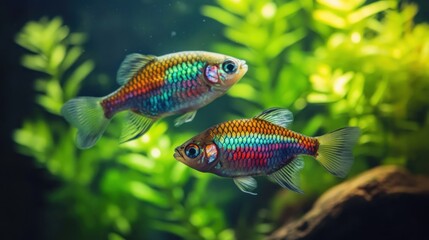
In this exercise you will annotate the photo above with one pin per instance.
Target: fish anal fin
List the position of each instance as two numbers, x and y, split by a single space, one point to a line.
131 65
246 184
288 176
277 116
135 126
187 117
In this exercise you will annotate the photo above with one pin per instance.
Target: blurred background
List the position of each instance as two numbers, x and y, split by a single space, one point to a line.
333 63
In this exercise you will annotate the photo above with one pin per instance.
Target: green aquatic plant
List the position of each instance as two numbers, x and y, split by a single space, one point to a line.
111 191
373 73
334 63
262 32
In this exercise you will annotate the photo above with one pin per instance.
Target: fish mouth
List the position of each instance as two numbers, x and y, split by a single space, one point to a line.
178 156
243 65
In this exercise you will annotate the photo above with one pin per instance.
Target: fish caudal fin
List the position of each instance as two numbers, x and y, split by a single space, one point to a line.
135 126
87 115
335 150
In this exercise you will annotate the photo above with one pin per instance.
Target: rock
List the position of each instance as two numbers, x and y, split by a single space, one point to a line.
383 203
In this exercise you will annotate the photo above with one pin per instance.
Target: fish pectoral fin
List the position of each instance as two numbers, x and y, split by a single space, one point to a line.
135 126
278 116
246 184
131 65
187 117
288 176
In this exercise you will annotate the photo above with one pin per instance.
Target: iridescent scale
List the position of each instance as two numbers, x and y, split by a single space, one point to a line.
258 147
162 86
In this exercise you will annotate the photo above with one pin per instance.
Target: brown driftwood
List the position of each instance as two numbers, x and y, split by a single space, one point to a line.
383 203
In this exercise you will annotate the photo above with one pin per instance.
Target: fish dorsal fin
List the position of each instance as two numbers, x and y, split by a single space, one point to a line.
131 65
277 116
288 176
246 184
135 126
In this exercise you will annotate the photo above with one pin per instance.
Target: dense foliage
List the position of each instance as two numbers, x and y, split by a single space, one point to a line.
333 63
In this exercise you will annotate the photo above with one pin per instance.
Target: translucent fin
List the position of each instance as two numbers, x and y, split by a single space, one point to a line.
87 115
246 184
135 126
335 150
277 116
288 176
131 65
187 117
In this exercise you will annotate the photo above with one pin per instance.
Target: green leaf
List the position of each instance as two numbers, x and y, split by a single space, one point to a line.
57 56
51 105
277 45
175 228
138 162
148 194
342 5
370 10
72 55
243 90
287 9
35 62
222 16
237 7
73 83
77 38
330 18
180 174
257 41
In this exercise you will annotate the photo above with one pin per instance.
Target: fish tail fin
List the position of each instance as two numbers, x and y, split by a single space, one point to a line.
87 115
335 150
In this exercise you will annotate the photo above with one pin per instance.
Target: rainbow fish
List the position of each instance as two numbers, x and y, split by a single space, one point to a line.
152 88
263 146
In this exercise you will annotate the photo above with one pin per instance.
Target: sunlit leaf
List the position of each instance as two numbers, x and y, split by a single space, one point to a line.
57 56
320 98
287 9
240 7
329 18
342 5
355 91
243 90
370 10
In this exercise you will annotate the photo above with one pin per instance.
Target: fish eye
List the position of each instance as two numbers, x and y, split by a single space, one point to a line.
229 66
192 150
